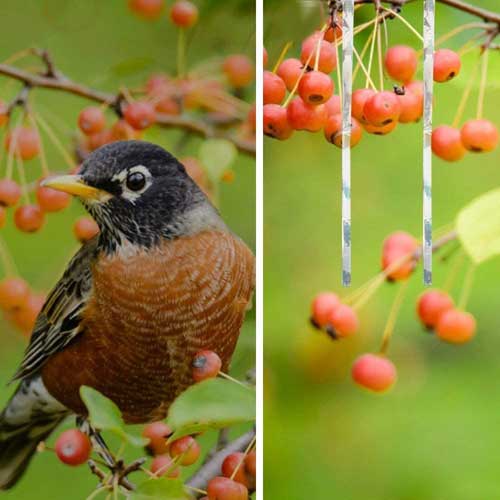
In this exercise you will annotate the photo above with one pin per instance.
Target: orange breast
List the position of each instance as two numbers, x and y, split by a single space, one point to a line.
150 313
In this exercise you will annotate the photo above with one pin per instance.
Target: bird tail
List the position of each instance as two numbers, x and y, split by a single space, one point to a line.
29 418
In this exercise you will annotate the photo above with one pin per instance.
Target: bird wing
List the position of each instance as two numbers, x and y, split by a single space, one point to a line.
59 320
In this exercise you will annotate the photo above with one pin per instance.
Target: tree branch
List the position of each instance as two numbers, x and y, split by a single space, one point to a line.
55 80
212 468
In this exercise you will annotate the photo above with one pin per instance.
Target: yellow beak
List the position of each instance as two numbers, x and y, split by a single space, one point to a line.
74 184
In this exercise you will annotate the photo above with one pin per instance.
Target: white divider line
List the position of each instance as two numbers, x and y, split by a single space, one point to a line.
429 20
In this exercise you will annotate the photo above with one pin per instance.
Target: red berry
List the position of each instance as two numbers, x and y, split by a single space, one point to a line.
234 466
327 61
265 57
274 88
380 130
24 142
157 433
122 131
91 120
163 465
95 141
51 200
206 364
447 143
25 316
446 65
250 463
456 327
184 14
275 119
302 116
374 372
359 98
315 88
416 87
73 447
140 115
289 71
333 130
4 113
14 293
333 105
344 321
401 62
158 84
412 107
149 9
239 70
431 305
382 109
187 449
168 106
3 216
29 218
323 306
223 488
85 228
10 192
334 32
479 136
398 251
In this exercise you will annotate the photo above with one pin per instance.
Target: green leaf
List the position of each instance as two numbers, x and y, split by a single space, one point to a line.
104 415
211 404
161 489
478 226
217 155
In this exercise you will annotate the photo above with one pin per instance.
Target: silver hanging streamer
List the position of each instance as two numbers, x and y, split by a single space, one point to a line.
347 55
429 19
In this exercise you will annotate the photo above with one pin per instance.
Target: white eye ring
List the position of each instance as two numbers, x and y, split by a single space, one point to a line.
122 177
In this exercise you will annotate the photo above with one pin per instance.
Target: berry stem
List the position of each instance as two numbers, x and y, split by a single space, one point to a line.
458 30
236 381
465 97
405 22
467 286
482 87
196 490
339 73
97 492
43 158
7 260
181 53
393 316
365 71
282 55
245 453
362 56
453 271
372 51
22 178
12 149
380 62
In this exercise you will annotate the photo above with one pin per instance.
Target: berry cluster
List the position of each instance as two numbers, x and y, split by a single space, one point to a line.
329 313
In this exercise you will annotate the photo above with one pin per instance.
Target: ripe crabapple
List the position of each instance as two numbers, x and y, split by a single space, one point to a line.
274 88
359 98
397 254
322 307
412 107
380 130
184 14
344 321
123 131
85 228
149 9
302 116
446 65
24 142
265 57
239 70
163 465
168 106
14 293
223 488
50 200
251 463
327 60
447 143
73 447
289 71
333 130
206 364
95 141
479 136
382 109
456 327
140 115
315 88
10 192
29 218
4 113
235 463
333 105
24 317
157 433
401 63
334 31
187 449
91 120
3 216
276 124
374 372
431 305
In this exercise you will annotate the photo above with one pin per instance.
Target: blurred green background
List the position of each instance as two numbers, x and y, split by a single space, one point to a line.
100 43
435 436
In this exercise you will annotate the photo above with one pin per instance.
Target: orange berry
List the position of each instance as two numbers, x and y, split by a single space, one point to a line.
412 107
163 465
24 142
323 306
374 372
91 120
29 218
401 62
398 250
315 88
234 466
431 305
456 327
380 130
14 293
51 200
10 192
479 136
333 130
446 65
359 98
344 321
187 449
157 433
276 124
148 9
381 109
184 14
239 70
302 116
85 228
223 488
140 115
447 143
4 115
274 89
333 106
327 60
123 131
206 364
25 316
289 71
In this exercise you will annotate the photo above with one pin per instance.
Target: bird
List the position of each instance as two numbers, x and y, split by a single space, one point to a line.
164 279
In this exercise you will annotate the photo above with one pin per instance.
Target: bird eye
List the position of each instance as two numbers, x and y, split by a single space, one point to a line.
136 181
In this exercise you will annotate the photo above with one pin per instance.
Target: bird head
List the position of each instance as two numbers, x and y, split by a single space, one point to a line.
138 193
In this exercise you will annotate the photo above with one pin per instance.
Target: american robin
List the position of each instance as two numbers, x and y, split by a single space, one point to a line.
164 279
